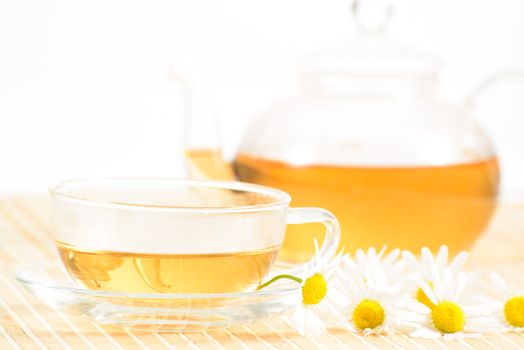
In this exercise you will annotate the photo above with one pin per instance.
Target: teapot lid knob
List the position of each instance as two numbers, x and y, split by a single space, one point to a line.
370 54
371 16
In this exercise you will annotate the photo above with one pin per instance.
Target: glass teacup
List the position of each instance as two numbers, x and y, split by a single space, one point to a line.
154 235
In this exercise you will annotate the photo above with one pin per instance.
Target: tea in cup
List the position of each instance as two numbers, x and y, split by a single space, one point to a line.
151 235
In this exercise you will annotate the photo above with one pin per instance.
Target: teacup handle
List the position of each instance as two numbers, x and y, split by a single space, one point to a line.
308 215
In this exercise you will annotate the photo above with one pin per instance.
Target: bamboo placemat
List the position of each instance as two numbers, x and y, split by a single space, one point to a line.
27 324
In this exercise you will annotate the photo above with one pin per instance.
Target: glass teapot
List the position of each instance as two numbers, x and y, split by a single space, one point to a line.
367 138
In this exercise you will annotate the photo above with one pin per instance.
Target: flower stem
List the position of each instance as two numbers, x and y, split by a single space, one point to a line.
276 278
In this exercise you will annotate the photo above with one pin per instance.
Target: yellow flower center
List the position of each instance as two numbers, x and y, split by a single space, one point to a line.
368 314
514 311
314 289
423 298
448 317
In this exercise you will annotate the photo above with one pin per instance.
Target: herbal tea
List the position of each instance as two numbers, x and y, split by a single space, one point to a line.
167 273
402 207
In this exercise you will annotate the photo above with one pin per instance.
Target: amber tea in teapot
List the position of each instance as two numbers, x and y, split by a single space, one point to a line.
398 206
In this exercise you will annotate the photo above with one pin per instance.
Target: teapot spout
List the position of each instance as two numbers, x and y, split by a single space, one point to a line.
202 149
208 164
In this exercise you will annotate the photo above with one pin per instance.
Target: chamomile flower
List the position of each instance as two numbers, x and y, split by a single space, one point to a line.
428 267
318 304
510 308
372 288
320 301
455 312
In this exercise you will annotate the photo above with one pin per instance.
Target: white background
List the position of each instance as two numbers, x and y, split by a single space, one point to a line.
83 88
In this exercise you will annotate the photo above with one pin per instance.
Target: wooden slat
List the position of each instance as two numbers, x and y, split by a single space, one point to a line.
27 324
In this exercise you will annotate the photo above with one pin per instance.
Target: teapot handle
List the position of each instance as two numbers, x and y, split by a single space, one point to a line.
491 81
504 142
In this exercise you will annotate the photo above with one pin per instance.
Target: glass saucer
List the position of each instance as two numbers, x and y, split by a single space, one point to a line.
155 312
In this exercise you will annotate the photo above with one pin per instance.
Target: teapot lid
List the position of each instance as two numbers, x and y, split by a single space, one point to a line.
371 54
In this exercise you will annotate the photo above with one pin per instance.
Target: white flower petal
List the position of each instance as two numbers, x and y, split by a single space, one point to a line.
428 263
501 286
298 319
337 297
458 262
381 253
306 322
482 325
438 288
460 285
360 256
483 309
425 333
442 258
412 317
391 257
429 291
411 261
417 307
453 336
448 284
